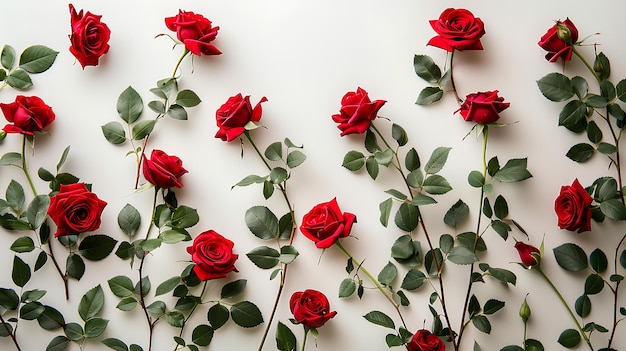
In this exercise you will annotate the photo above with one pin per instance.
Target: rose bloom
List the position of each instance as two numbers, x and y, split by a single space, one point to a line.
483 107
75 210
89 37
357 112
234 114
526 254
310 308
324 224
195 31
457 29
29 114
213 256
555 44
573 208
423 340
163 170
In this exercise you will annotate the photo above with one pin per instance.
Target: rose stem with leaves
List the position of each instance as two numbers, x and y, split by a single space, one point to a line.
193 309
64 276
10 333
441 294
283 272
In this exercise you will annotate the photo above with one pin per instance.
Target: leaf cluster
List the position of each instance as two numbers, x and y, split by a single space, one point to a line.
426 69
15 72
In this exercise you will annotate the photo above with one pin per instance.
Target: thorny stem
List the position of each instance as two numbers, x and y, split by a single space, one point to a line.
284 266
142 300
6 327
615 293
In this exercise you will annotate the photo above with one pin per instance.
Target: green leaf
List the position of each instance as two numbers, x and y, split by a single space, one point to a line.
437 160
593 132
233 289
278 175
19 80
249 180
288 254
513 171
614 209
114 132
218 315
21 272
387 274
492 306
456 213
573 116
58 343
436 185
462 255
295 158
51 319
129 220
246 314
91 303
115 344
37 210
384 158
406 217
429 261
285 339
74 331
127 304
157 106
581 87
7 57
96 247
598 261
596 101
606 148
429 95
9 299
500 207
412 160
187 98
580 152
167 286
571 257
347 288
142 129
75 266
129 106
37 58
413 279
10 158
421 200
23 244
446 243
262 222
371 141
602 66
426 69
177 112
593 284
121 286
399 134
569 338
476 179
372 167
31 310
385 211
583 306
503 275
556 87
482 323
274 152
94 327
202 335
353 160
379 318
15 195
185 217
264 257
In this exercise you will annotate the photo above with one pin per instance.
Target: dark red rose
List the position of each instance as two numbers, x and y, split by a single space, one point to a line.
558 40
457 29
89 37
573 208
310 308
483 107
233 116
325 224
29 114
526 254
423 340
75 210
163 170
357 112
213 256
195 31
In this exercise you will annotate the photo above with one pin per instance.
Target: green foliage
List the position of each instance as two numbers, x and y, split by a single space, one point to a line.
32 60
380 318
285 339
571 257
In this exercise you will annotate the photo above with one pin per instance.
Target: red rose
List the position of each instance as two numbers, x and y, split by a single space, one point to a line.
195 31
483 107
163 170
325 223
573 208
311 308
234 114
75 210
423 340
526 254
357 112
558 40
29 114
213 256
458 29
89 37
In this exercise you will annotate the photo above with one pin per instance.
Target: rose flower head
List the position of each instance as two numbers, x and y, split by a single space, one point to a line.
29 114
559 39
75 210
483 107
195 31
310 308
234 115
357 112
163 170
527 253
457 29
324 224
213 256
424 340
573 207
89 38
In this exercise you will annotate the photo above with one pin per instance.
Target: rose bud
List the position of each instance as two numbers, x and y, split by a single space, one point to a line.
528 254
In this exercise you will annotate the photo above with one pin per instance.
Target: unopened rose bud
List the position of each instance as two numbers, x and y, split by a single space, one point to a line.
563 33
524 311
3 135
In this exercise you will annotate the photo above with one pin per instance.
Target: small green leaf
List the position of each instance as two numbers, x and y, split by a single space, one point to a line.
413 279
114 132
593 132
593 284
426 68
129 220
75 266
583 306
412 160
556 87
177 112
94 327
580 152
456 213
385 211
399 134
581 87
142 129
462 255
233 289
295 158
573 116
379 318
606 148
74 331
614 209
9 299
492 306
58 343
187 98
23 244
218 315
598 261
21 272
249 180
246 314
482 323
121 286
202 335
184 217
569 338
347 288
115 344
51 319
262 222
285 339
91 303
129 106
500 207
513 171
37 58
19 80
387 274
436 185
157 106
372 167
429 95
407 217
264 257
476 179
437 160
31 310
96 247
7 57
571 257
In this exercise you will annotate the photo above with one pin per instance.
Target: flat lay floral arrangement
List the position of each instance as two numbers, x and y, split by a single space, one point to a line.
432 283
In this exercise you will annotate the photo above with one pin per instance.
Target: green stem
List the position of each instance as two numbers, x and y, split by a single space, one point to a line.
185 52
586 63
569 310
25 168
13 338
142 300
193 309
456 93
306 333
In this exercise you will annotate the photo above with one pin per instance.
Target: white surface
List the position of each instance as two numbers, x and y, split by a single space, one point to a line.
303 56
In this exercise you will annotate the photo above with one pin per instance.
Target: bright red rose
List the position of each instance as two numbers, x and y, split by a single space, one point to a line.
325 224
89 37
75 210
29 114
558 40
457 29
526 254
213 256
483 107
423 340
310 308
357 112
573 208
234 114
163 170
195 31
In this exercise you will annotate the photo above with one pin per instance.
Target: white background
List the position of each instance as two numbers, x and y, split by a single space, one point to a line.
304 56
